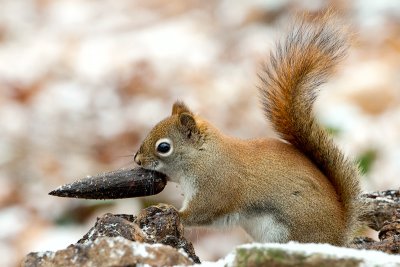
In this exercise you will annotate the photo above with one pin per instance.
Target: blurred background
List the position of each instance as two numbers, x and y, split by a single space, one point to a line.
83 81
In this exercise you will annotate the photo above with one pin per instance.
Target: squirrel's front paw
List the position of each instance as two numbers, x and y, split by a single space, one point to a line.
184 216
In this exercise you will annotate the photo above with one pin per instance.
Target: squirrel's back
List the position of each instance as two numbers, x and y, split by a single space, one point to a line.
290 84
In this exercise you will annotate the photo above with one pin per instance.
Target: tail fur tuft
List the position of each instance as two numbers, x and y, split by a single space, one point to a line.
290 84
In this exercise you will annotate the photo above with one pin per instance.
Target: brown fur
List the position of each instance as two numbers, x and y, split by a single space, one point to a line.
308 186
290 85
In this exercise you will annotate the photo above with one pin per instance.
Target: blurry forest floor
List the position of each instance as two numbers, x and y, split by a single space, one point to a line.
82 82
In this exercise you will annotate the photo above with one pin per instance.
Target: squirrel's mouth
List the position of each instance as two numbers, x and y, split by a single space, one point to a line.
147 163
157 167
163 173
154 167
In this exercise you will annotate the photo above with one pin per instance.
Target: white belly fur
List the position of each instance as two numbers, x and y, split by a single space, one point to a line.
261 228
265 229
189 190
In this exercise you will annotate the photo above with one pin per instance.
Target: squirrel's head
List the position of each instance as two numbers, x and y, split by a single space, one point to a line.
171 143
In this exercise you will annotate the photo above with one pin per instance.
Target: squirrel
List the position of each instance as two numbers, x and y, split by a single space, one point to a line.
299 187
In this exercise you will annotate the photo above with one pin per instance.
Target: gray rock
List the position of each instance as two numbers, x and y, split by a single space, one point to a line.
109 251
154 237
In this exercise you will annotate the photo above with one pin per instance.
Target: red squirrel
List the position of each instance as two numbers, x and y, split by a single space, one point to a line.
300 187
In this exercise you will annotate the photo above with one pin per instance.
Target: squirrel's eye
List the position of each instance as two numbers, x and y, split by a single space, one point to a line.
164 147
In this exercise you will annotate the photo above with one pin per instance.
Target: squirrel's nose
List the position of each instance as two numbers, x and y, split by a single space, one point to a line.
137 159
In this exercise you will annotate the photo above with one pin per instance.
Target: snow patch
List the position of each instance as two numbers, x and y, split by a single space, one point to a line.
369 257
225 262
139 249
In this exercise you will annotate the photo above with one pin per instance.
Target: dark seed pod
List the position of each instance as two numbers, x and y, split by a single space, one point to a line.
136 182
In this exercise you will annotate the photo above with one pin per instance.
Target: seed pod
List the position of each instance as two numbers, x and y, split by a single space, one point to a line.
136 182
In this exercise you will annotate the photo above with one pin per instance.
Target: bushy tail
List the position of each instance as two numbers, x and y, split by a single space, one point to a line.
290 82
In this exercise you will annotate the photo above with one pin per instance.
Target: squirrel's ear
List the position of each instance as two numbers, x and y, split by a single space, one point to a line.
180 107
188 124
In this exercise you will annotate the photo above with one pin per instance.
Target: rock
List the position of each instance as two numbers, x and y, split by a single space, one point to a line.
156 230
110 225
307 255
109 251
165 229
155 237
389 237
380 207
280 257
